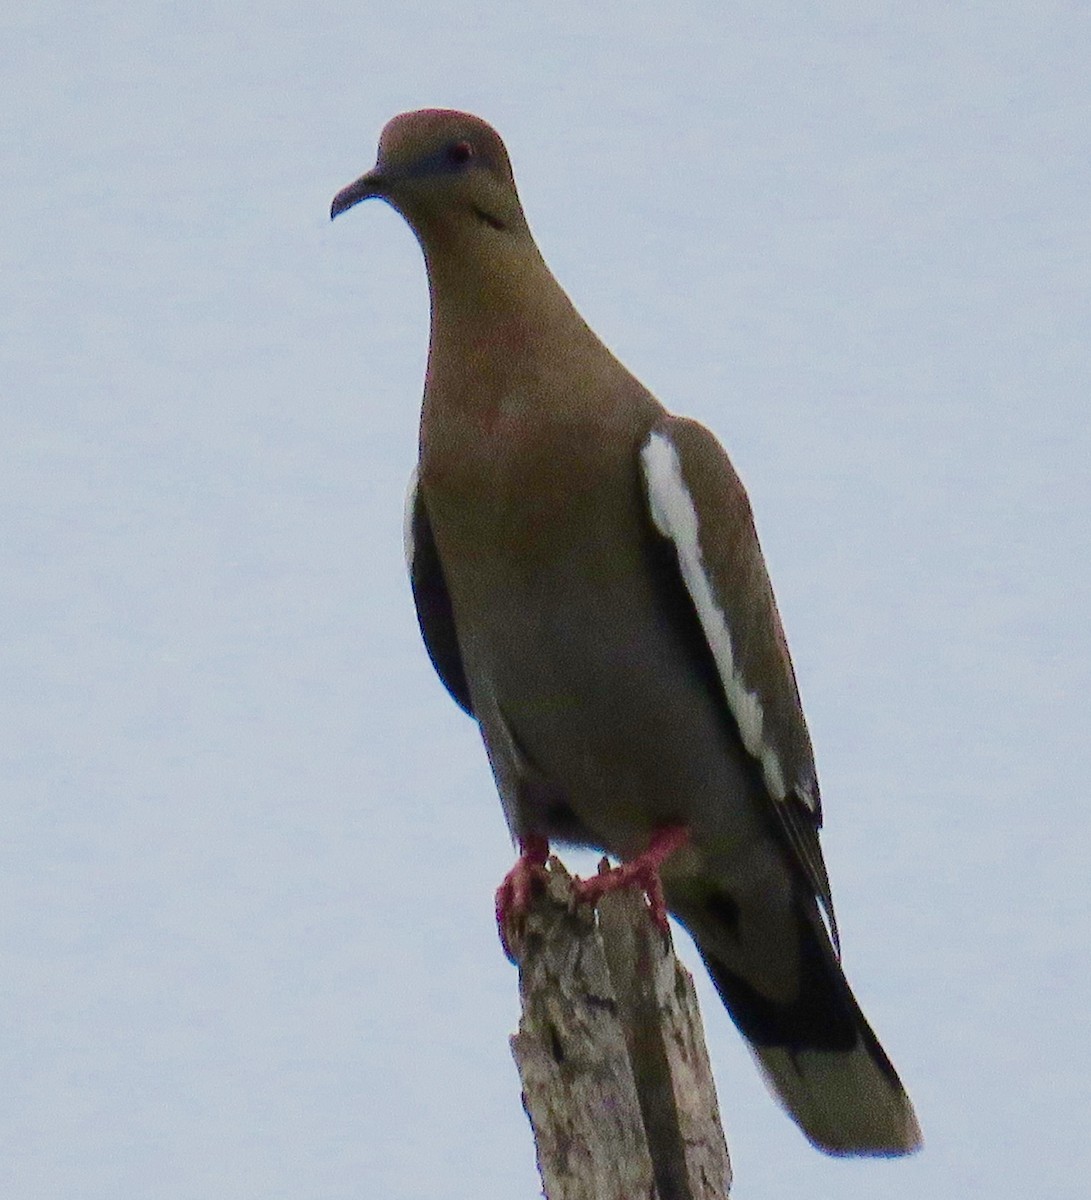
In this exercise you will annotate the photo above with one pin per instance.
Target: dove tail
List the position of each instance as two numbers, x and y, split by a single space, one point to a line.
817 1052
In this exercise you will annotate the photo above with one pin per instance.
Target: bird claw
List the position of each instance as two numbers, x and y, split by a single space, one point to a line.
642 871
515 890
514 894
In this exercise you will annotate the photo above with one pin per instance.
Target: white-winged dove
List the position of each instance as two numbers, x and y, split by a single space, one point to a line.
591 591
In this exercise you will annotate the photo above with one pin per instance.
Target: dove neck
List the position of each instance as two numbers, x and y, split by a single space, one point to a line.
503 296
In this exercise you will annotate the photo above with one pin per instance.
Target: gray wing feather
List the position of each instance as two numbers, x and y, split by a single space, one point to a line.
435 614
698 503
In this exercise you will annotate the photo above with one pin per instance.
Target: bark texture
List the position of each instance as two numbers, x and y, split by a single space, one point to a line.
611 1054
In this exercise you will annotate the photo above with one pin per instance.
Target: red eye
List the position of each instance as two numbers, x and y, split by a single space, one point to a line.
459 153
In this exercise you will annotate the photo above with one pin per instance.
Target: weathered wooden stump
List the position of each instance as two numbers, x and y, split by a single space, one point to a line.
611 1054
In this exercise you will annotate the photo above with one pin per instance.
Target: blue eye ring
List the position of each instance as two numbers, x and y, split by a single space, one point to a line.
459 153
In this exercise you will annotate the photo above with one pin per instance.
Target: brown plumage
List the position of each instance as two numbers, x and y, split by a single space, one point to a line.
591 590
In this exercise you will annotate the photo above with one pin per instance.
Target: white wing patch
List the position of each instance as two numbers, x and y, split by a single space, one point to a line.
408 542
675 516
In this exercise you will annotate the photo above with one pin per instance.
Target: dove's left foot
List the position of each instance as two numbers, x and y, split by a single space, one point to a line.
514 893
643 871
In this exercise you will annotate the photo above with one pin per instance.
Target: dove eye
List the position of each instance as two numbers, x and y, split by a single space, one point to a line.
459 153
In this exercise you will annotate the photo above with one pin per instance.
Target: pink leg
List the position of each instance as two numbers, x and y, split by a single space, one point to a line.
513 894
642 871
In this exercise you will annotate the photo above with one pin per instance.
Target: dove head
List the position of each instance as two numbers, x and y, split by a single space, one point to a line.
447 173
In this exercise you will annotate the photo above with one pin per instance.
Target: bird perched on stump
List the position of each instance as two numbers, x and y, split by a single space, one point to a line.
591 590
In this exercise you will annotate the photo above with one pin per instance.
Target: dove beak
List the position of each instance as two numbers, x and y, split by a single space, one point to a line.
372 184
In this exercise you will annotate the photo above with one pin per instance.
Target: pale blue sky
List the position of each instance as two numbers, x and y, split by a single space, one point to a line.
249 846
